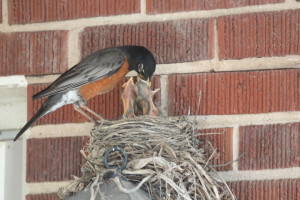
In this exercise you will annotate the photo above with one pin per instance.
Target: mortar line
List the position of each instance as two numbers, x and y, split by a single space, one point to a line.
204 122
41 79
216 42
164 87
222 121
247 64
73 47
73 130
4 13
46 187
266 174
143 7
235 147
289 1
140 17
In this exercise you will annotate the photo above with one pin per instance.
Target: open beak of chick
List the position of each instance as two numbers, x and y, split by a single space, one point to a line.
138 98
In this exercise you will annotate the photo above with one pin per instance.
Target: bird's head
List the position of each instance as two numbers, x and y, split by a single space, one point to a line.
141 60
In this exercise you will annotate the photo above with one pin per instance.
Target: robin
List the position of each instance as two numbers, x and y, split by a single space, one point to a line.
128 98
96 74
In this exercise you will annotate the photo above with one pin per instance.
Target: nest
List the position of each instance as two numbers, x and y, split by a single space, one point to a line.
164 159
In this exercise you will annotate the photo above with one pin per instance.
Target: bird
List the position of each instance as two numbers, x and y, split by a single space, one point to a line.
137 99
144 99
96 74
128 98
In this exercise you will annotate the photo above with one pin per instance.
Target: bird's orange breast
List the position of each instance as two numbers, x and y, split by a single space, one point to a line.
103 85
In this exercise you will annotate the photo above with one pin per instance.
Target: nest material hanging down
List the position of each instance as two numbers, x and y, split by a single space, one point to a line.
164 159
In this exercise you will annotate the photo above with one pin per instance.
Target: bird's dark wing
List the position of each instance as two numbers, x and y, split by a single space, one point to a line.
96 66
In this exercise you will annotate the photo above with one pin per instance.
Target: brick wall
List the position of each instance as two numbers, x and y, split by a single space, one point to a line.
243 56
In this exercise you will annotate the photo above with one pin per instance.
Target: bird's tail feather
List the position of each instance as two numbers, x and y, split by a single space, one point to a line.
37 116
46 108
40 94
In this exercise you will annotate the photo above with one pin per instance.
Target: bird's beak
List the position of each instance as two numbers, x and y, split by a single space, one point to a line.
142 77
149 83
130 80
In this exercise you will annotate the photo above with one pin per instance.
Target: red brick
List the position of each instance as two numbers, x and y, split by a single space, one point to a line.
54 159
221 139
266 189
108 105
269 146
33 53
167 6
170 41
234 92
50 196
259 34
23 11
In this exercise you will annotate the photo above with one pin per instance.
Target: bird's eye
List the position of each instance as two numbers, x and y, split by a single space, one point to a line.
141 67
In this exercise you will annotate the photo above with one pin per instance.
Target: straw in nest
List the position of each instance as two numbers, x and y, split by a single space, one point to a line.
164 159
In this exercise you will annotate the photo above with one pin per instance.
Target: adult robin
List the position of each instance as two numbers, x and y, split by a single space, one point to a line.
96 74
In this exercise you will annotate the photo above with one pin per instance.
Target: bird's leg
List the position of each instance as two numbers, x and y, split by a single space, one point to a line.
82 104
78 109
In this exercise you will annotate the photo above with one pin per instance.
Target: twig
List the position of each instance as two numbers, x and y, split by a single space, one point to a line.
118 183
157 147
228 163
95 183
199 101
